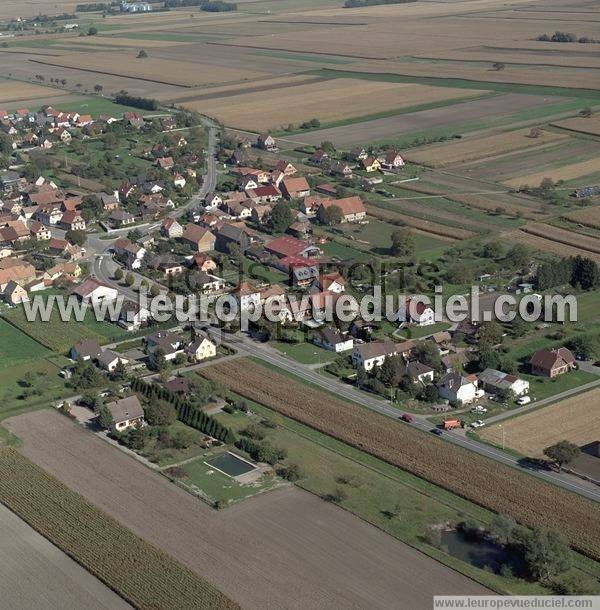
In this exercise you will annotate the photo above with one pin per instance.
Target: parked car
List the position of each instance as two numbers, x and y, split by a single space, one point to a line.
479 409
523 400
478 424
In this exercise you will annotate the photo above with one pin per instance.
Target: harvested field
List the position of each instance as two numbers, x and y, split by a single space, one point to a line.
143 575
570 171
589 125
46 576
14 91
166 71
589 217
471 149
563 236
488 204
484 481
425 226
294 544
576 419
337 99
456 114
547 245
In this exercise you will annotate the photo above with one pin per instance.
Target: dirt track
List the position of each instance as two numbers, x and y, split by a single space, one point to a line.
380 129
286 549
35 574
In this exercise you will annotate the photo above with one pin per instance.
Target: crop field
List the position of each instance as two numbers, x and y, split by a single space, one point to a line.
293 543
542 244
576 419
336 99
142 574
16 347
564 237
167 71
471 149
456 115
568 171
490 204
497 487
589 125
45 573
13 91
588 217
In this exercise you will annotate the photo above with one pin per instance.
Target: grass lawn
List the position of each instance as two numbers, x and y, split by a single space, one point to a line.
306 353
47 386
16 347
396 502
541 387
416 332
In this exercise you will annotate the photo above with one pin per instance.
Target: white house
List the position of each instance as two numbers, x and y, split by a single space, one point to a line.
420 372
108 360
132 316
202 347
93 291
369 355
455 387
247 295
418 313
132 253
333 340
496 381
126 413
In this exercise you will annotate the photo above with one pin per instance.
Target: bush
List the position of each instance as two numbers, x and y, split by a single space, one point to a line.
290 472
255 432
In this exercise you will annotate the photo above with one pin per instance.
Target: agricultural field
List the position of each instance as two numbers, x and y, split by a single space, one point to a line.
561 236
333 100
13 92
588 217
587 125
460 471
543 244
471 149
16 347
45 572
576 419
140 573
567 171
293 542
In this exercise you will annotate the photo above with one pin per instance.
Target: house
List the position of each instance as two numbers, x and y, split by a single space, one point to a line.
339 168
109 202
361 329
15 270
126 413
417 312
419 372
171 229
318 157
73 221
85 350
286 168
167 264
300 229
39 231
370 164
133 119
179 181
455 387
267 142
286 246
352 208
332 282
15 293
212 200
498 382
295 188
369 355
49 214
108 360
229 235
333 340
264 194
247 295
93 291
391 160
132 316
121 218
131 254
179 385
301 270
201 347
206 283
204 262
310 205
443 341
199 238
551 363
359 153
170 343
260 214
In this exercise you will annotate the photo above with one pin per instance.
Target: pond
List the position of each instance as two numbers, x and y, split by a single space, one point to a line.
479 553
231 464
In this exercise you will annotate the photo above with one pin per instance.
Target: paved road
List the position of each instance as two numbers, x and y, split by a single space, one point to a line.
267 354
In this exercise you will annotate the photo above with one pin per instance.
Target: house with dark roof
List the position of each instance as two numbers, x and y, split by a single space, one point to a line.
457 388
332 339
229 234
552 362
126 413
85 350
370 355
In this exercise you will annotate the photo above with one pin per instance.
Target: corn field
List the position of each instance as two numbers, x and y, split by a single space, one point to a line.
143 575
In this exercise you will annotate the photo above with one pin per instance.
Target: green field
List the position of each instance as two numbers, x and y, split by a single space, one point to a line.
16 347
306 353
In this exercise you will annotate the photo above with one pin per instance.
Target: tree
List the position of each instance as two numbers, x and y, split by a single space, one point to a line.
134 235
129 279
160 413
428 353
502 528
546 553
430 393
281 217
92 31
535 132
562 453
77 238
585 273
403 242
105 418
334 215
118 274
291 472
498 66
574 583
391 371
490 334
586 112
518 256
142 54
120 372
585 346
154 290
98 88
492 249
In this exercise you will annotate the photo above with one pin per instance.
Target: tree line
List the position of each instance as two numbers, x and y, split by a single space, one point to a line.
360 3
577 271
210 6
137 102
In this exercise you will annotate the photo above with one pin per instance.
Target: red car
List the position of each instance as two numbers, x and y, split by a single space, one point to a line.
407 418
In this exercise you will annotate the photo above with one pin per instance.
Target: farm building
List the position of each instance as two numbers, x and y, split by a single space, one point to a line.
498 382
551 363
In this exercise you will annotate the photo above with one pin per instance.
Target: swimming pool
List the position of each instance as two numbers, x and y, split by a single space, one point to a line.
231 464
